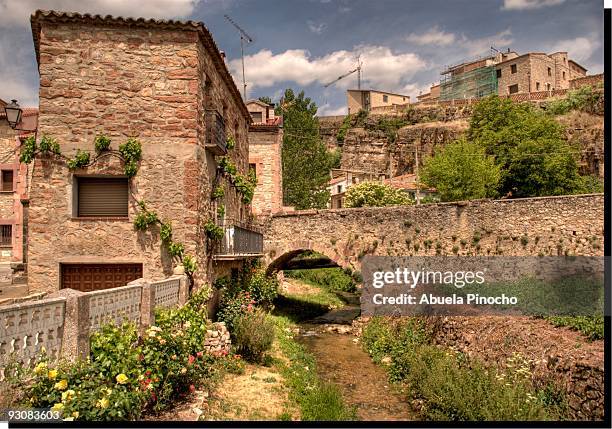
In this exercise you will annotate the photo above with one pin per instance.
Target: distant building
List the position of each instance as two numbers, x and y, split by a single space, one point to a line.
507 73
408 184
342 180
368 99
265 149
432 95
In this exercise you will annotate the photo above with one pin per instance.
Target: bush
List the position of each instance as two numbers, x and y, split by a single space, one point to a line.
452 386
127 374
375 194
584 98
253 335
232 306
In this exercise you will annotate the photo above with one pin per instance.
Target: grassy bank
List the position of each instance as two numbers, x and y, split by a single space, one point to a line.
317 400
449 385
333 279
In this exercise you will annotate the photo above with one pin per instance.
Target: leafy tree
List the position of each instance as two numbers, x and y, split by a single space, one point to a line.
265 99
375 194
306 160
462 171
529 147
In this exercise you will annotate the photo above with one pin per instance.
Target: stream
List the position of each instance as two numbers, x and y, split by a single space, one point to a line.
342 361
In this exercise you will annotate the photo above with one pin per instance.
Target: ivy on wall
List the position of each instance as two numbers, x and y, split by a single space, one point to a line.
129 152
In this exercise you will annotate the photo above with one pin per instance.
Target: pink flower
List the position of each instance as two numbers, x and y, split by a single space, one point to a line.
192 388
200 354
191 359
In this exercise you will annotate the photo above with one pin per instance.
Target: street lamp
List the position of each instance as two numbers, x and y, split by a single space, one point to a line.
13 113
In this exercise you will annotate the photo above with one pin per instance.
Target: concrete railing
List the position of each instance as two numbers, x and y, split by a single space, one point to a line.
62 323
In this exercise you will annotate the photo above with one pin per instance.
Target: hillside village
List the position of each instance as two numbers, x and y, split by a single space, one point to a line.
144 179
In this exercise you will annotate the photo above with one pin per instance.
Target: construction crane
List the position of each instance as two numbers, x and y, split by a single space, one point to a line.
244 37
358 70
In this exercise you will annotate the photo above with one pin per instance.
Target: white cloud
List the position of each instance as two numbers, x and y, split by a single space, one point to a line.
316 28
529 4
435 36
327 110
579 49
17 12
382 68
483 45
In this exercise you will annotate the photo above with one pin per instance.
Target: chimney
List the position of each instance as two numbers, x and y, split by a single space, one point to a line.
222 54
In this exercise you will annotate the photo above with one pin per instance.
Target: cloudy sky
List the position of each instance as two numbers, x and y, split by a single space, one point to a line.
307 43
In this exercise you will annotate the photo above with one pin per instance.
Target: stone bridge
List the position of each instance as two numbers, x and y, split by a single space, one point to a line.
564 225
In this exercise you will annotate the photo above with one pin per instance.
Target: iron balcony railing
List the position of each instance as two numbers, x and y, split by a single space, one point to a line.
215 133
239 241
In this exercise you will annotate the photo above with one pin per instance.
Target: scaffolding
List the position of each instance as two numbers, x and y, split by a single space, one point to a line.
476 83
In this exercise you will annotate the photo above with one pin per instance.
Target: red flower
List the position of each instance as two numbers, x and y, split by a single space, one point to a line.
200 354
191 359
192 388
147 372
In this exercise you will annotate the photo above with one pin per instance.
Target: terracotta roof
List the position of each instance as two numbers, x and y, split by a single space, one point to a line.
405 181
41 16
27 111
337 180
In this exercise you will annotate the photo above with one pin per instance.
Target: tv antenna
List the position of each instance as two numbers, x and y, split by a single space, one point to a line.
357 69
244 37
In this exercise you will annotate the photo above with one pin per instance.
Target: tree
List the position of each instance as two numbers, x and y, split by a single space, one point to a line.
265 99
462 171
529 147
375 194
306 160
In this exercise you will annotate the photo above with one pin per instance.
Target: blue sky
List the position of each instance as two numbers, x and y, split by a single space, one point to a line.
304 44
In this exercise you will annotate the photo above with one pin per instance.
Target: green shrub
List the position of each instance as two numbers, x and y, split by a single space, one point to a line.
101 143
375 194
584 98
591 326
233 305
253 335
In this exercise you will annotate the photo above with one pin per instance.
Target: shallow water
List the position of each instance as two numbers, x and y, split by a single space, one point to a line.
341 361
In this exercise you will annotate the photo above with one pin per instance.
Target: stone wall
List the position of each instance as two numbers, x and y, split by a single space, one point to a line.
562 225
124 81
265 146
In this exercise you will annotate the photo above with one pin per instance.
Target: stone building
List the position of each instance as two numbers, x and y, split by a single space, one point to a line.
507 73
265 152
536 71
13 202
368 99
161 82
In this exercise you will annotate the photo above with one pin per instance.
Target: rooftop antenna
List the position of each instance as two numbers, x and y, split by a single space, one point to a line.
358 70
244 37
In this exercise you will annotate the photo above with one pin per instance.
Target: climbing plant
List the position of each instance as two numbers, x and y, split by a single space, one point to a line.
130 153
147 218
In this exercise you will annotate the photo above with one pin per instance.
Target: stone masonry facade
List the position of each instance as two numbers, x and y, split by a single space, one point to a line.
565 225
150 80
265 148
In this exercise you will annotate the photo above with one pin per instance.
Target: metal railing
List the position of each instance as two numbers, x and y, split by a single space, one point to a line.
215 133
239 240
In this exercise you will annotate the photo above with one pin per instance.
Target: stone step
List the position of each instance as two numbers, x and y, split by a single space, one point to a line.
13 291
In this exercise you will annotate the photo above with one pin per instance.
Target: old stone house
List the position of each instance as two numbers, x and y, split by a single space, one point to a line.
165 84
265 157
368 99
13 201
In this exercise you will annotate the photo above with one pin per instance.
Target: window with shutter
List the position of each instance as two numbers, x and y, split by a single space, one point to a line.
7 180
102 197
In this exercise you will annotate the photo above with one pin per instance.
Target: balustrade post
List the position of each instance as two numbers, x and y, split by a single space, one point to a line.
75 337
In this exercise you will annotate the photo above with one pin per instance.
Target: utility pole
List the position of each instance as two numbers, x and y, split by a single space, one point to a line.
243 37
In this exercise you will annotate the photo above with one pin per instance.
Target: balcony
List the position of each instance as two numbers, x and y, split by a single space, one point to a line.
216 141
239 242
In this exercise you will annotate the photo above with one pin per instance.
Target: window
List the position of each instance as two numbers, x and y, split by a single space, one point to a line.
564 75
549 71
6 235
339 189
548 86
385 98
257 116
7 180
537 86
499 73
513 89
513 68
101 197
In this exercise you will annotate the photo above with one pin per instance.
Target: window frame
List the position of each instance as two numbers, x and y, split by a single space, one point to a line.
3 244
6 170
510 89
76 212
513 69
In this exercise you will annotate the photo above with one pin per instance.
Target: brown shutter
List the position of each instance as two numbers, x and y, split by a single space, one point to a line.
103 196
